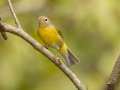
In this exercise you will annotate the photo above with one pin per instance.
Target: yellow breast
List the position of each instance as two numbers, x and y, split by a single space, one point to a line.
49 35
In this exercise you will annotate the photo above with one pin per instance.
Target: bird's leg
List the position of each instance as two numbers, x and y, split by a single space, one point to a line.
46 46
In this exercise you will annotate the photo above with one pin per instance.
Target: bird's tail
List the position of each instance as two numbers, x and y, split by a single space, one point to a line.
69 57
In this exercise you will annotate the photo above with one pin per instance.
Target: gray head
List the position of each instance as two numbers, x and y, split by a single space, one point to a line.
44 21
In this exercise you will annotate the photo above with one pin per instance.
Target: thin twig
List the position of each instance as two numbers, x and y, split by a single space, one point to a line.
3 34
19 32
14 14
114 78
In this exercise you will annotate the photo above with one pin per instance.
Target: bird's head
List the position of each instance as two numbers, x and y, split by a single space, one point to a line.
44 21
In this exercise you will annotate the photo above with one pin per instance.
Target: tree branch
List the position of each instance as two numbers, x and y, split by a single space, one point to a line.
36 45
14 14
114 77
3 34
19 32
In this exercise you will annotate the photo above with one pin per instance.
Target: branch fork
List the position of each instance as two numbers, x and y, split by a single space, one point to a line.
18 30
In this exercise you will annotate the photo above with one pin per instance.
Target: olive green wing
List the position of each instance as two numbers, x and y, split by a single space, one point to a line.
60 33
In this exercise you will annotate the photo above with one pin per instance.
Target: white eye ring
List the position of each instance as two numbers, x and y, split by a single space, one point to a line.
46 19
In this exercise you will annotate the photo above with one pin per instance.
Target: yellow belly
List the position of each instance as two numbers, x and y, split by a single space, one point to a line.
49 36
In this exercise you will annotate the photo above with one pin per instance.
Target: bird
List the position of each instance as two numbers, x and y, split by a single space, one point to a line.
52 37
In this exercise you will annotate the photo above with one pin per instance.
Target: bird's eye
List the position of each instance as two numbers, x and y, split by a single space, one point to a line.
46 19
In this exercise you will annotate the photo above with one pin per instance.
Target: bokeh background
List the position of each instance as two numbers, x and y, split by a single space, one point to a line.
91 29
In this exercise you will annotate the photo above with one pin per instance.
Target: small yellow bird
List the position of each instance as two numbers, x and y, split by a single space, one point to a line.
51 37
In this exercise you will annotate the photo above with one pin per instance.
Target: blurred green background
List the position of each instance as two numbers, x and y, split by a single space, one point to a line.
91 29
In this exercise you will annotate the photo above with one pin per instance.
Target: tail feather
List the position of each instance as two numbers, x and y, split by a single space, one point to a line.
70 58
67 54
